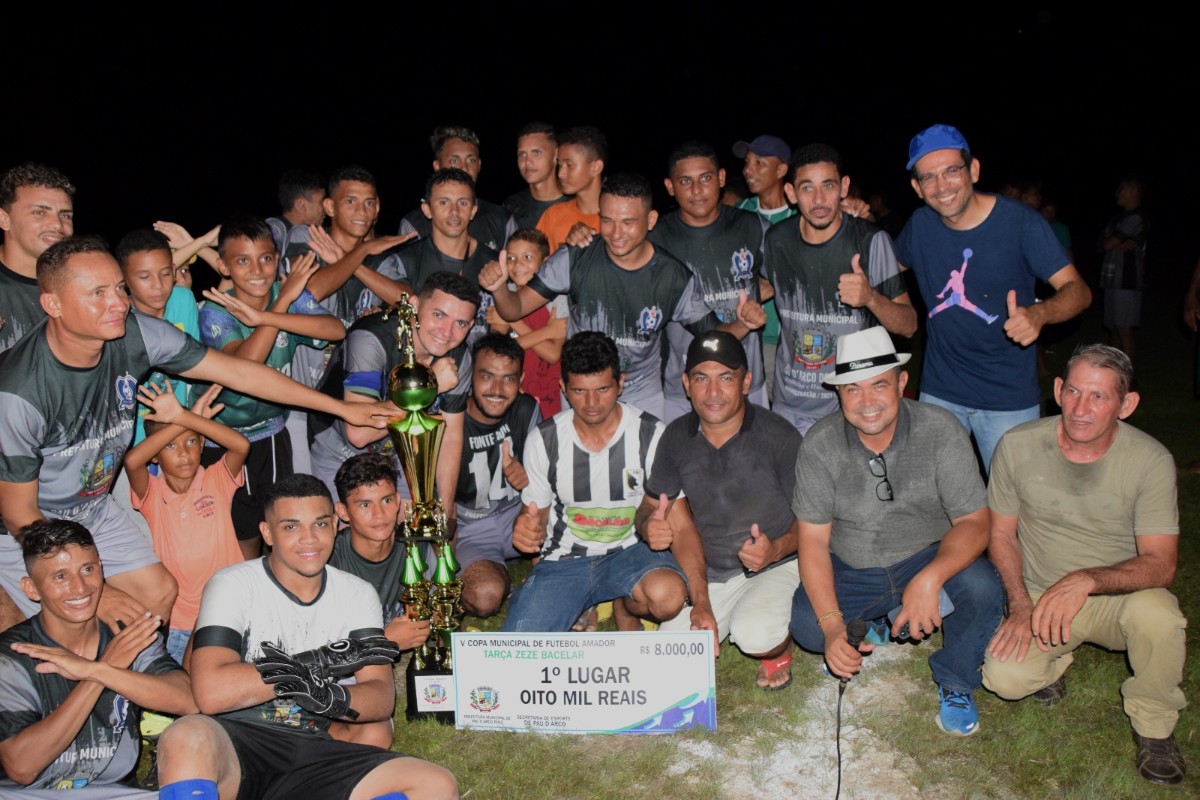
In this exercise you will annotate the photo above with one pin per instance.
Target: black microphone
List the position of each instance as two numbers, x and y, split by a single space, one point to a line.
856 631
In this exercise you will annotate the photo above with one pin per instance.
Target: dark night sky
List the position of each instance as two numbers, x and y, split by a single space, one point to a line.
152 123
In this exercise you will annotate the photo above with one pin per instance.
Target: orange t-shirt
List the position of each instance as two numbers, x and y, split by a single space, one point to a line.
558 219
193 533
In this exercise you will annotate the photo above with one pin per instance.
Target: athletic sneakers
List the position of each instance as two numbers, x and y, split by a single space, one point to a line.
878 634
957 713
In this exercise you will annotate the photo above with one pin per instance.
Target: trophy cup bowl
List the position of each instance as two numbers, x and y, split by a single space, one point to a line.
412 386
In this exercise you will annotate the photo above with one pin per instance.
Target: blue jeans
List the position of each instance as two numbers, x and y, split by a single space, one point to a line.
177 642
869 594
557 592
986 426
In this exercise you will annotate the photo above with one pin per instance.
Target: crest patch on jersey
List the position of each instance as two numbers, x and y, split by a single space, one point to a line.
813 347
126 392
743 264
649 320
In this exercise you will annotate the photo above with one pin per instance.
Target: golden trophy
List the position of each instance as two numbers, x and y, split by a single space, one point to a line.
417 438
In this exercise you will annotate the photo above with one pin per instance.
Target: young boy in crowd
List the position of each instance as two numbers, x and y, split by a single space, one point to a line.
369 508
542 333
265 320
145 258
301 203
146 264
366 548
187 505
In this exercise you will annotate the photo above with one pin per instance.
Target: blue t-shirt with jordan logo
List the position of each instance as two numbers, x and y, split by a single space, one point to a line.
964 279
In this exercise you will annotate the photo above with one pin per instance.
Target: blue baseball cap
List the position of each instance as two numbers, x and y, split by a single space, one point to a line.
935 137
764 146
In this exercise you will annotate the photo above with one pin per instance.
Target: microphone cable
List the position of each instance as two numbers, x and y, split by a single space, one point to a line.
856 631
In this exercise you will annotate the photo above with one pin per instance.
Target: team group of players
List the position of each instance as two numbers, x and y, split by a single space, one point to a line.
259 418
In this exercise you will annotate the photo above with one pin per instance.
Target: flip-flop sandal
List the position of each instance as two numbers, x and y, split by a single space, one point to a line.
774 666
586 622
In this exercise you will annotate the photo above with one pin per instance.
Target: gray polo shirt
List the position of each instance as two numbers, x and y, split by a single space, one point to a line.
932 470
750 479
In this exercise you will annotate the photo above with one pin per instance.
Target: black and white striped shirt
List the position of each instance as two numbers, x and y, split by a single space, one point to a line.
592 497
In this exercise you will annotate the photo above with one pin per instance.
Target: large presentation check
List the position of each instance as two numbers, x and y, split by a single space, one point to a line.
637 682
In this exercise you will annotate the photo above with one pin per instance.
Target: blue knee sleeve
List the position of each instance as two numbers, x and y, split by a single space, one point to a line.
196 789
392 796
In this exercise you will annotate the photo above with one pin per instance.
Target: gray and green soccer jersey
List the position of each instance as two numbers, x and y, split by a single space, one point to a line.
631 306
370 355
772 216
67 427
351 300
482 490
181 311
20 306
104 751
257 419
812 316
421 258
725 257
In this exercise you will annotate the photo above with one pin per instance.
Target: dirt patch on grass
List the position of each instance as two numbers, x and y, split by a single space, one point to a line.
805 765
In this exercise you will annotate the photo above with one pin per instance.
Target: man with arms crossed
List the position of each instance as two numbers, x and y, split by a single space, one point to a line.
722 246
274 637
69 688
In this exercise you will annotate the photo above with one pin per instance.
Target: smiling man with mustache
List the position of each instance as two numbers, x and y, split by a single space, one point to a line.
498 420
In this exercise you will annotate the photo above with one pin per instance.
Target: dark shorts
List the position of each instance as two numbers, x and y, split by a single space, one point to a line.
280 764
269 460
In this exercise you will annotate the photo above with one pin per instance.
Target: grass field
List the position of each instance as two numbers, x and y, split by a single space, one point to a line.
1081 748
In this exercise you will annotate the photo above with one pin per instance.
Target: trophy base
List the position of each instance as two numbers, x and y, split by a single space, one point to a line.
430 693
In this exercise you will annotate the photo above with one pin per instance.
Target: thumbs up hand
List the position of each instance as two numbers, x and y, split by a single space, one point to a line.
514 473
1024 323
750 312
659 534
758 551
854 288
529 531
494 275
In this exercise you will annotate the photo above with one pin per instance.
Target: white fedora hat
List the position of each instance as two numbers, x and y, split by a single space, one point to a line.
864 354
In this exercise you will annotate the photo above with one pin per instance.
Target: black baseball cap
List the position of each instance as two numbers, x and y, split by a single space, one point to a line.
719 346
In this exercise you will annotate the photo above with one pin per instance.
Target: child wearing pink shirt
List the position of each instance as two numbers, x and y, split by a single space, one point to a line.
186 505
